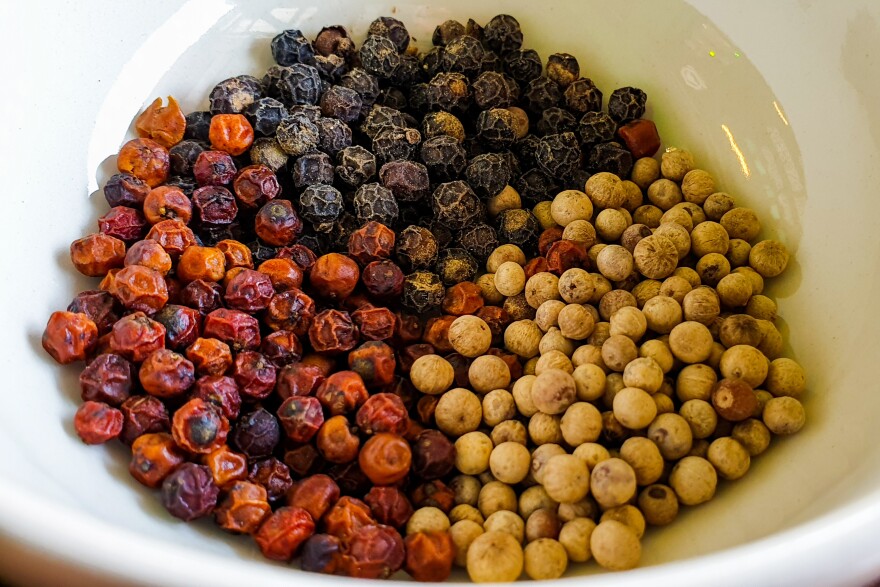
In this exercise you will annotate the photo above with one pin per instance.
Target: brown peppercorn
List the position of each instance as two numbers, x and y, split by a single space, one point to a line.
389 506
429 556
334 276
333 331
383 280
734 399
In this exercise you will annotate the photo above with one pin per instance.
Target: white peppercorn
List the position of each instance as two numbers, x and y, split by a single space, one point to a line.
494 557
628 515
738 252
498 405
495 497
634 408
465 512
618 351
589 380
575 538
603 287
646 290
504 254
614 262
542 213
585 508
771 340
643 373
581 232
510 431
545 558
581 423
545 429
678 216
664 403
644 457
458 412
490 293
697 185
592 453
612 482
547 314
614 300
630 322
540 288
741 223
510 279
746 363
565 478
466 489
509 462
427 519
615 546
769 258
695 382
634 196
552 360
522 395
522 338
662 314
712 268
488 372
463 534
431 374
753 435
658 351
610 224
507 199
605 191
472 452
672 435
571 205
664 194
784 415
470 336
740 329
613 385
717 205
576 322
760 307
675 163
709 237
540 456
785 377
649 215
645 170
659 504
576 286
533 499
694 480
676 286
730 459
700 416
690 342
553 391
734 290
554 341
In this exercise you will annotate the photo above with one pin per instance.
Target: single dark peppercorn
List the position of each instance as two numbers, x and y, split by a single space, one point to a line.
611 157
447 31
455 265
503 34
463 55
311 169
256 433
495 128
143 414
100 306
321 205
342 103
555 120
380 118
362 82
444 157
123 189
297 84
214 205
488 174
297 135
525 149
407 180
197 125
563 69
214 168
338 236
310 111
108 379
322 553
449 91
392 143
596 127
408 72
559 155
375 203
290 47
393 29
203 296
541 93
355 165
379 56
265 114
183 156
433 455
523 65
495 90
182 325
331 67
333 135
479 240
627 104
273 475
456 206
189 492
582 96
234 95
519 227
423 292
441 232
383 280
334 40
393 98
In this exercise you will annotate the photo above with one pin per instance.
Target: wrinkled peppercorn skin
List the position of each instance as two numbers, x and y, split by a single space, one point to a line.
189 492
154 456
97 422
374 552
282 533
227 467
333 332
301 417
315 494
199 427
244 508
374 361
429 556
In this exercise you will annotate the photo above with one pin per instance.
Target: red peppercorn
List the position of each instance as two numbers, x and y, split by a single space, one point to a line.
69 337
336 441
108 379
126 224
641 137
96 422
298 379
535 266
302 459
209 356
429 556
374 552
437 333
153 457
301 417
349 477
426 407
165 202
145 159
346 517
199 427
463 298
255 185
374 362
203 296
389 505
433 493
342 393
237 254
166 374
249 290
182 325
374 323
174 236
96 254
383 280
411 353
315 494
189 492
227 467
371 242
383 412
221 391
409 329
564 255
142 414
282 533
213 168
136 336
215 206
385 458
334 276
404 389
99 306
140 288
283 273
496 319
290 310
322 553
547 238
164 124
254 374
433 454
244 508
281 348
273 475
277 223
333 331
231 133
237 329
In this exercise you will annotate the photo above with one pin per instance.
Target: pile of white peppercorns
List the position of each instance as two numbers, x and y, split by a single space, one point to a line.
644 381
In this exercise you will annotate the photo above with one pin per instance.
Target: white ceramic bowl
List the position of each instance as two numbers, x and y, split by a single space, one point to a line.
781 101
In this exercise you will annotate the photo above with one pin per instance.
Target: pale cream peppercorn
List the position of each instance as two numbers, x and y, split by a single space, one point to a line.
659 504
679 236
690 342
488 372
472 452
576 286
547 314
533 499
615 546
545 558
696 212
739 329
522 338
458 412
697 185
553 391
614 262
630 322
717 205
571 205
784 415
589 380
427 519
701 305
496 496
612 482
771 340
676 287
540 288
552 360
510 431
465 512
769 258
575 538
754 276
470 336
712 268
576 322
645 170
679 217
645 290
542 213
649 215
498 406
602 285
613 384
503 254
634 197
689 275
494 557
463 533
610 224
672 435
491 295
554 341
694 480
510 279
522 395
738 252
664 194
709 237
761 307
581 232
700 416
730 459
634 408
581 423
540 456
520 121
545 429
662 314
785 377
628 515
585 508
658 351
745 362
675 163
644 373
695 382
588 354
734 290
509 462
664 403
753 435
466 489
507 199
618 351
605 191
741 223
592 453
565 478
644 457
431 374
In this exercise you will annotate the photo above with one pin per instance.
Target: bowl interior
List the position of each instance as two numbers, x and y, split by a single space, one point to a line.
705 94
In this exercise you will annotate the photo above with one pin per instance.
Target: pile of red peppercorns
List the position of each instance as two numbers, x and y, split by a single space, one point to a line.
293 311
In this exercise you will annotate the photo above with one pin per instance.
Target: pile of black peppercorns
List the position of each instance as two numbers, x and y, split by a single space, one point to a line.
418 141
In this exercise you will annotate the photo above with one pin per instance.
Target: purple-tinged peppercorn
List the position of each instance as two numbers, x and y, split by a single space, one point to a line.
257 433
189 492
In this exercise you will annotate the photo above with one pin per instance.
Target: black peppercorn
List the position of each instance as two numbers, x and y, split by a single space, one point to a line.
523 66
407 180
463 55
355 165
519 227
265 114
611 157
342 103
297 135
392 143
456 265
333 135
488 174
423 292
321 205
582 95
183 156
449 91
456 206
298 84
563 69
541 93
534 186
494 90
362 82
596 127
311 169
444 157
380 118
445 32
234 95
197 125
495 128
393 29
416 248
372 202
291 47
479 240
379 56
627 104
555 120
559 155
